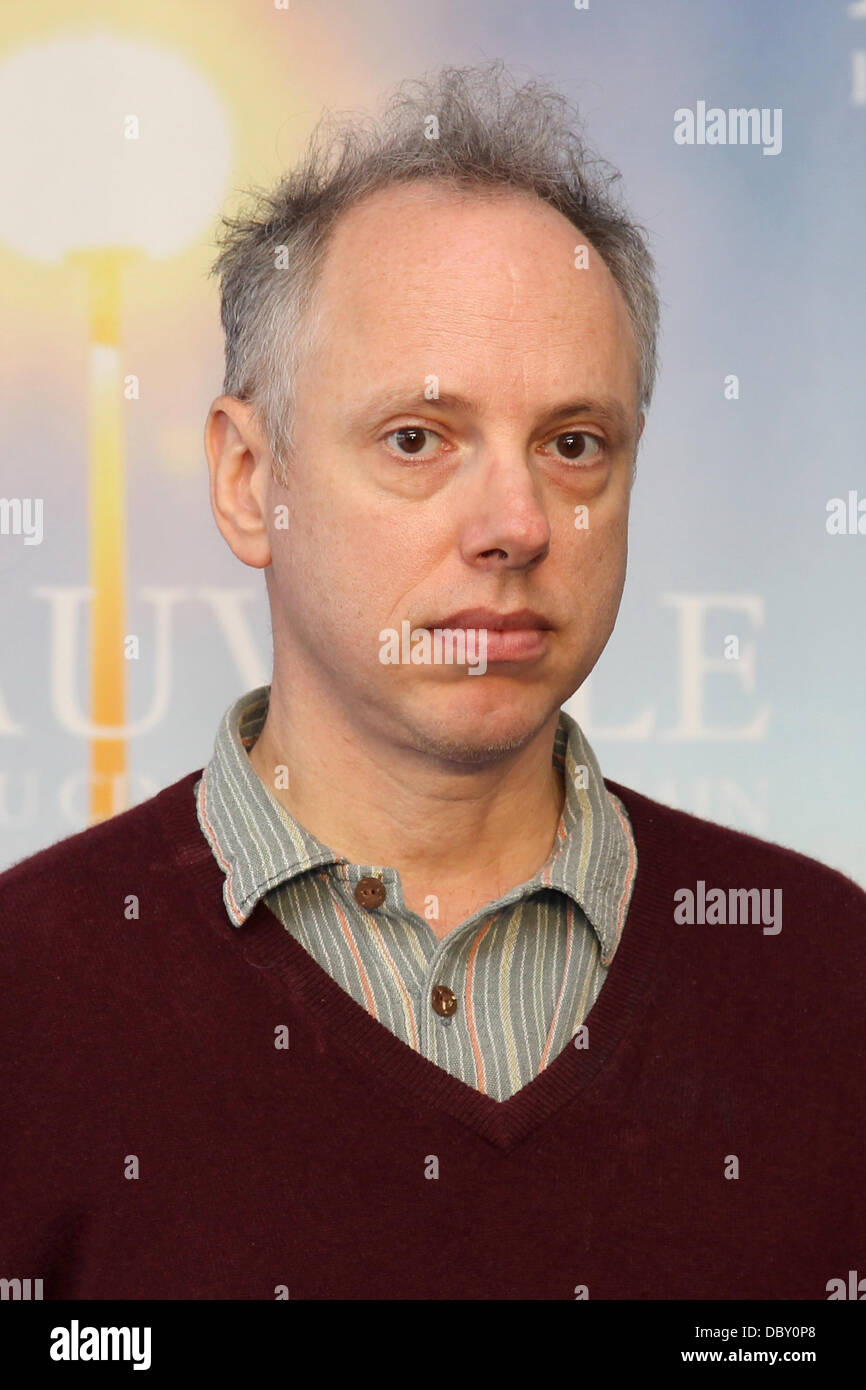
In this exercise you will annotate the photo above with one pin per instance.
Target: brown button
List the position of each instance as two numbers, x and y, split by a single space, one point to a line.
370 892
444 1000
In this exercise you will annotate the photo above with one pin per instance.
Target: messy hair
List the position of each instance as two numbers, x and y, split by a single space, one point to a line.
473 129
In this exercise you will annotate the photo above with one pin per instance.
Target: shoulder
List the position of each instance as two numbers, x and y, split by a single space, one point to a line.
760 929
688 840
75 874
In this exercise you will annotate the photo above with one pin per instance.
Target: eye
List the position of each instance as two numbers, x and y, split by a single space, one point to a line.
411 440
579 447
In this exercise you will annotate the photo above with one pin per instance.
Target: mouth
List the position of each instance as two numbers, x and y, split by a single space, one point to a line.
521 636
522 620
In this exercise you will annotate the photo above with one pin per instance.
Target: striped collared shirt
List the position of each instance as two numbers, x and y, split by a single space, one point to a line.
525 969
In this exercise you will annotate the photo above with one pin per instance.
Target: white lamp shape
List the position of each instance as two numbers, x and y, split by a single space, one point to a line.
120 149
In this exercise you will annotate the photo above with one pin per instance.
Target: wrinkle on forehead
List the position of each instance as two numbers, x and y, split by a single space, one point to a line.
512 271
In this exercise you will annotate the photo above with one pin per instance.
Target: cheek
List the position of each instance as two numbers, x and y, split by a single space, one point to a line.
347 536
598 544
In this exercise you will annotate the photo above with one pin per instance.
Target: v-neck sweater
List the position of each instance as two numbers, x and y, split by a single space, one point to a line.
520 973
190 1110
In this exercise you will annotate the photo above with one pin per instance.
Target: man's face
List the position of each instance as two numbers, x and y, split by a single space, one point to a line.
405 507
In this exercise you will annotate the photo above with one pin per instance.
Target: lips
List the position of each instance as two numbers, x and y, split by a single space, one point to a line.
522 619
518 637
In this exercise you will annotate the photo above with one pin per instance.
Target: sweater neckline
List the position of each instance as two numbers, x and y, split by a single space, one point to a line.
265 945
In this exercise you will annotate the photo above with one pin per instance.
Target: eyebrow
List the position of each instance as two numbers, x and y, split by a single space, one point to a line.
605 408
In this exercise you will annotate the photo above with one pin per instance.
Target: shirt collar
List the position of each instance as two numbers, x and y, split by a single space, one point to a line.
260 846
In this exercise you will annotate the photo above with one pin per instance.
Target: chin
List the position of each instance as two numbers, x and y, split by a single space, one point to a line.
478 726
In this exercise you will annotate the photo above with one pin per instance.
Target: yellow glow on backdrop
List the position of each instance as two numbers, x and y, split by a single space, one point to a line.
258 72
130 216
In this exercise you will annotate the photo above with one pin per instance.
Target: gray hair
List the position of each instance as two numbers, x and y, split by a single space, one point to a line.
488 136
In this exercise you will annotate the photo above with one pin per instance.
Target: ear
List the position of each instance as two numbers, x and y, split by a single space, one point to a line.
641 423
240 465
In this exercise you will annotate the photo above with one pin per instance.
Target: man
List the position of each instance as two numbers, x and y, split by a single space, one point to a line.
414 1004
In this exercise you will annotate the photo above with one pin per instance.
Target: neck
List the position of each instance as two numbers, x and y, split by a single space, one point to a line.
466 834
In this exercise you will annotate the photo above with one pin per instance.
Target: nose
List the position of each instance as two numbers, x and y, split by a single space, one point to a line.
506 523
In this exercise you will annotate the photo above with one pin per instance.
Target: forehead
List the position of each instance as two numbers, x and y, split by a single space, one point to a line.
427 271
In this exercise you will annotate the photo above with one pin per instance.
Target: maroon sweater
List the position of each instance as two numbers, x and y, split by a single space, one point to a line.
148 1046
